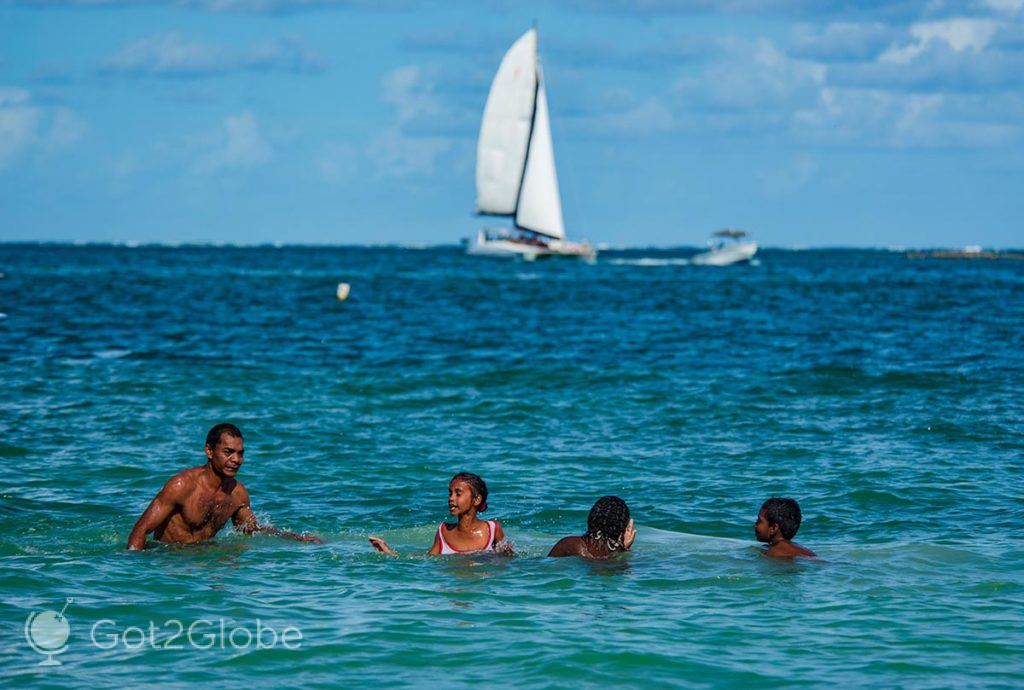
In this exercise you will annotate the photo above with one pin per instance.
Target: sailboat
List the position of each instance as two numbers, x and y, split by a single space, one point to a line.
515 164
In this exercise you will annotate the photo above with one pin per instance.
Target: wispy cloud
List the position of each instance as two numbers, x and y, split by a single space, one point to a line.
876 118
788 8
237 144
172 55
25 126
18 123
411 143
247 6
754 75
960 34
842 41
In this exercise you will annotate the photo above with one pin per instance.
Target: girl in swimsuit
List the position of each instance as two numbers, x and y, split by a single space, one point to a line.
467 496
609 532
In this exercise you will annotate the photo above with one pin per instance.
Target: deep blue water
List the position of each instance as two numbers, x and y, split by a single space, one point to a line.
885 394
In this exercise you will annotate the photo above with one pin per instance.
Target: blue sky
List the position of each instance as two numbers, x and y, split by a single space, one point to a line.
808 122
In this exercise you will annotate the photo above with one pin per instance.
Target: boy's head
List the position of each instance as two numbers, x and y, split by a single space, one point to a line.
778 517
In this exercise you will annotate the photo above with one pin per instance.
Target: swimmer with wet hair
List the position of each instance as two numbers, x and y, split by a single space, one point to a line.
609 532
467 496
777 524
196 503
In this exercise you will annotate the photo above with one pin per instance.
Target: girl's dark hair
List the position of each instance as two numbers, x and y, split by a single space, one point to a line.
607 522
476 485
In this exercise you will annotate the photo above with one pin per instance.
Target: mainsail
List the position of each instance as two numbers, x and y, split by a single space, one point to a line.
515 167
505 130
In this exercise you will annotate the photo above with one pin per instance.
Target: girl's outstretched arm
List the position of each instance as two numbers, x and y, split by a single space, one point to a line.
382 546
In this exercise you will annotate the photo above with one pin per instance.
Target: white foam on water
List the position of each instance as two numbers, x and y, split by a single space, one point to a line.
112 354
649 261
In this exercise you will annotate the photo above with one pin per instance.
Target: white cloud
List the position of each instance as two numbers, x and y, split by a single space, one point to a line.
65 129
18 123
960 34
410 145
395 154
755 76
24 126
237 144
1006 6
408 89
871 117
171 55
841 40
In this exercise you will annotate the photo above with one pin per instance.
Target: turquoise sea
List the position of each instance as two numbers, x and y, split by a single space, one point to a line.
885 394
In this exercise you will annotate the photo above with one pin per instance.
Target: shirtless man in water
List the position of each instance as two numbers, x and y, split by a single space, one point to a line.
196 503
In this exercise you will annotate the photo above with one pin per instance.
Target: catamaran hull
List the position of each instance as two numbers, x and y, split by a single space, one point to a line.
732 254
497 247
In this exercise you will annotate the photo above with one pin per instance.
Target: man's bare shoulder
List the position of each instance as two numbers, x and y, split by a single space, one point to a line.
183 482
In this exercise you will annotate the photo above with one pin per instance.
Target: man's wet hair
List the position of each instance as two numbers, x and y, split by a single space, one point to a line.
476 485
214 434
607 522
784 512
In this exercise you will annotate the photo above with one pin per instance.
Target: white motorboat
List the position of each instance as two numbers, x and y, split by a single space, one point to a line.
515 164
726 247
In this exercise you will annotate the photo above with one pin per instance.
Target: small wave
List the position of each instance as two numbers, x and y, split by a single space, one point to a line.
527 276
112 354
649 261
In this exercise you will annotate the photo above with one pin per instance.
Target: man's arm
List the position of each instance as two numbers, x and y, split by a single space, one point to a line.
161 507
245 521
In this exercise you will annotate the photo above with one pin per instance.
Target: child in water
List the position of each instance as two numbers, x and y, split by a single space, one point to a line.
467 496
609 532
777 523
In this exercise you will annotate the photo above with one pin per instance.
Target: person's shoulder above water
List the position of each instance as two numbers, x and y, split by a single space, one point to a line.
467 496
567 546
777 523
788 549
609 532
196 503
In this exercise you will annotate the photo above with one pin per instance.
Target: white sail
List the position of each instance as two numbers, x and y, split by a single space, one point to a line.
540 206
505 129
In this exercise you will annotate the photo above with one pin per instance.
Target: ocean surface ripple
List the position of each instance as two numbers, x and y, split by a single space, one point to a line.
885 394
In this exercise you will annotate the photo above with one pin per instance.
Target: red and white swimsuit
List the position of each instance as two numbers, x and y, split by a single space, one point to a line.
446 549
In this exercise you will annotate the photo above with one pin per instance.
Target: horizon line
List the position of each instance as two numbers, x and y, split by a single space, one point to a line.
421 246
